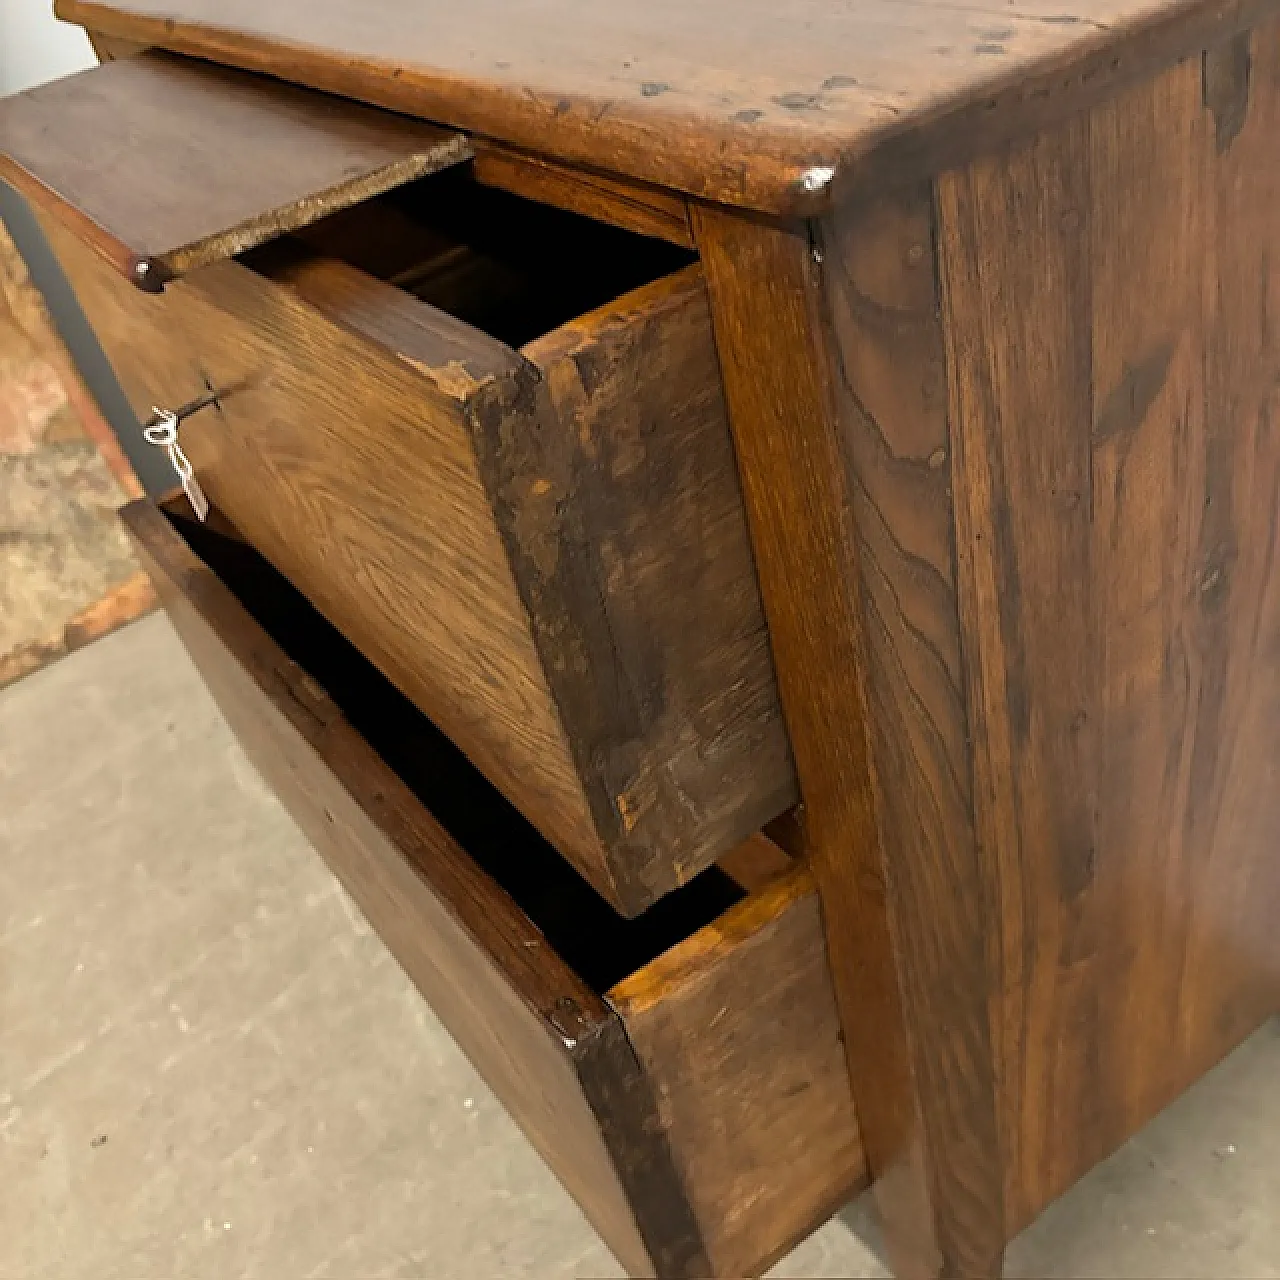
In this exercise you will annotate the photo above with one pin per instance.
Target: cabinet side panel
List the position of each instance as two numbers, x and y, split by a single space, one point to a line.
1109 294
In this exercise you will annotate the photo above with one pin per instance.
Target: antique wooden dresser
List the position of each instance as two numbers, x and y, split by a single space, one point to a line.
745 534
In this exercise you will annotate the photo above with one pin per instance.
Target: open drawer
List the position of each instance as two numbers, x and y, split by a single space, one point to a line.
682 1073
485 437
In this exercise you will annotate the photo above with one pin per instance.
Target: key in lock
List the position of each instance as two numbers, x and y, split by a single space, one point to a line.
161 430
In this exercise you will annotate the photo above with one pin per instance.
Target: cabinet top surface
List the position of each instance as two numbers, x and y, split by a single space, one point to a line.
749 102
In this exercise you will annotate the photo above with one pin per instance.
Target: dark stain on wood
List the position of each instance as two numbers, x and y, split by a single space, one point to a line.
638 470
1225 75
597 74
795 101
1126 407
887 346
619 1092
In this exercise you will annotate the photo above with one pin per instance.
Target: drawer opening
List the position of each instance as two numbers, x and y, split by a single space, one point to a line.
510 267
601 946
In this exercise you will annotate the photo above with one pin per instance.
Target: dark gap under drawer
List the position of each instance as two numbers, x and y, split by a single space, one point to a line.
601 946
510 267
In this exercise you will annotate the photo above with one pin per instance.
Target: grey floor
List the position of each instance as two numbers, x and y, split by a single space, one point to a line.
209 1067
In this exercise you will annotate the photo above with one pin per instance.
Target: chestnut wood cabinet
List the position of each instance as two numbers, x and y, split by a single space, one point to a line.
852 420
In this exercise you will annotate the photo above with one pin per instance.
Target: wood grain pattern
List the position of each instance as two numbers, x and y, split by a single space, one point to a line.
527 1022
737 1028
1040 506
732 106
739 1134
925 1108
546 551
627 536
459 643
383 520
164 164
1048 327
891 403
1113 284
651 211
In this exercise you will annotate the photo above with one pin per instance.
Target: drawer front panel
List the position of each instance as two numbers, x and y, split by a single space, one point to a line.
356 478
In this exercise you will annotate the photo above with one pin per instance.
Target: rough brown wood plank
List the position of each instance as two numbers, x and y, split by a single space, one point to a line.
418 577
164 164
443 348
737 1029
651 211
1026 580
617 685
460 644
745 104
1113 381
627 537
890 384
552 1051
888 874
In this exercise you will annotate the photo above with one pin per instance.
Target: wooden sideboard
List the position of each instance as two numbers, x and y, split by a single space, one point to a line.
686 412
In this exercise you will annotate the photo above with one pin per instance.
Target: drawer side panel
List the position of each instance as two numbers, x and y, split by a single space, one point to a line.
472 954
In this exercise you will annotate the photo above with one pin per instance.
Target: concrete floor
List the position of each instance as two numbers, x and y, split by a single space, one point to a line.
209 1067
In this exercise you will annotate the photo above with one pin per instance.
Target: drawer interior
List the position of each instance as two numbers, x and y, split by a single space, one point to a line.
598 944
510 267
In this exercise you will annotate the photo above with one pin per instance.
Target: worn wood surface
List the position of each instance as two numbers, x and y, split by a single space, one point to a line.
890 386
382 518
418 579
546 1044
649 210
627 536
734 104
737 1028
1029 489
164 164
573 602
727 1130
788 426
1115 284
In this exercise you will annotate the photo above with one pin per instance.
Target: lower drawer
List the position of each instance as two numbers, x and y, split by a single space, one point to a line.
682 1073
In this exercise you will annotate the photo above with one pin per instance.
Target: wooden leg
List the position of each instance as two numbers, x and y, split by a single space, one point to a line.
841 440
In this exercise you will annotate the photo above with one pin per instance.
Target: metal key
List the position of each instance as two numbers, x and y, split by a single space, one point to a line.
184 411
161 430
